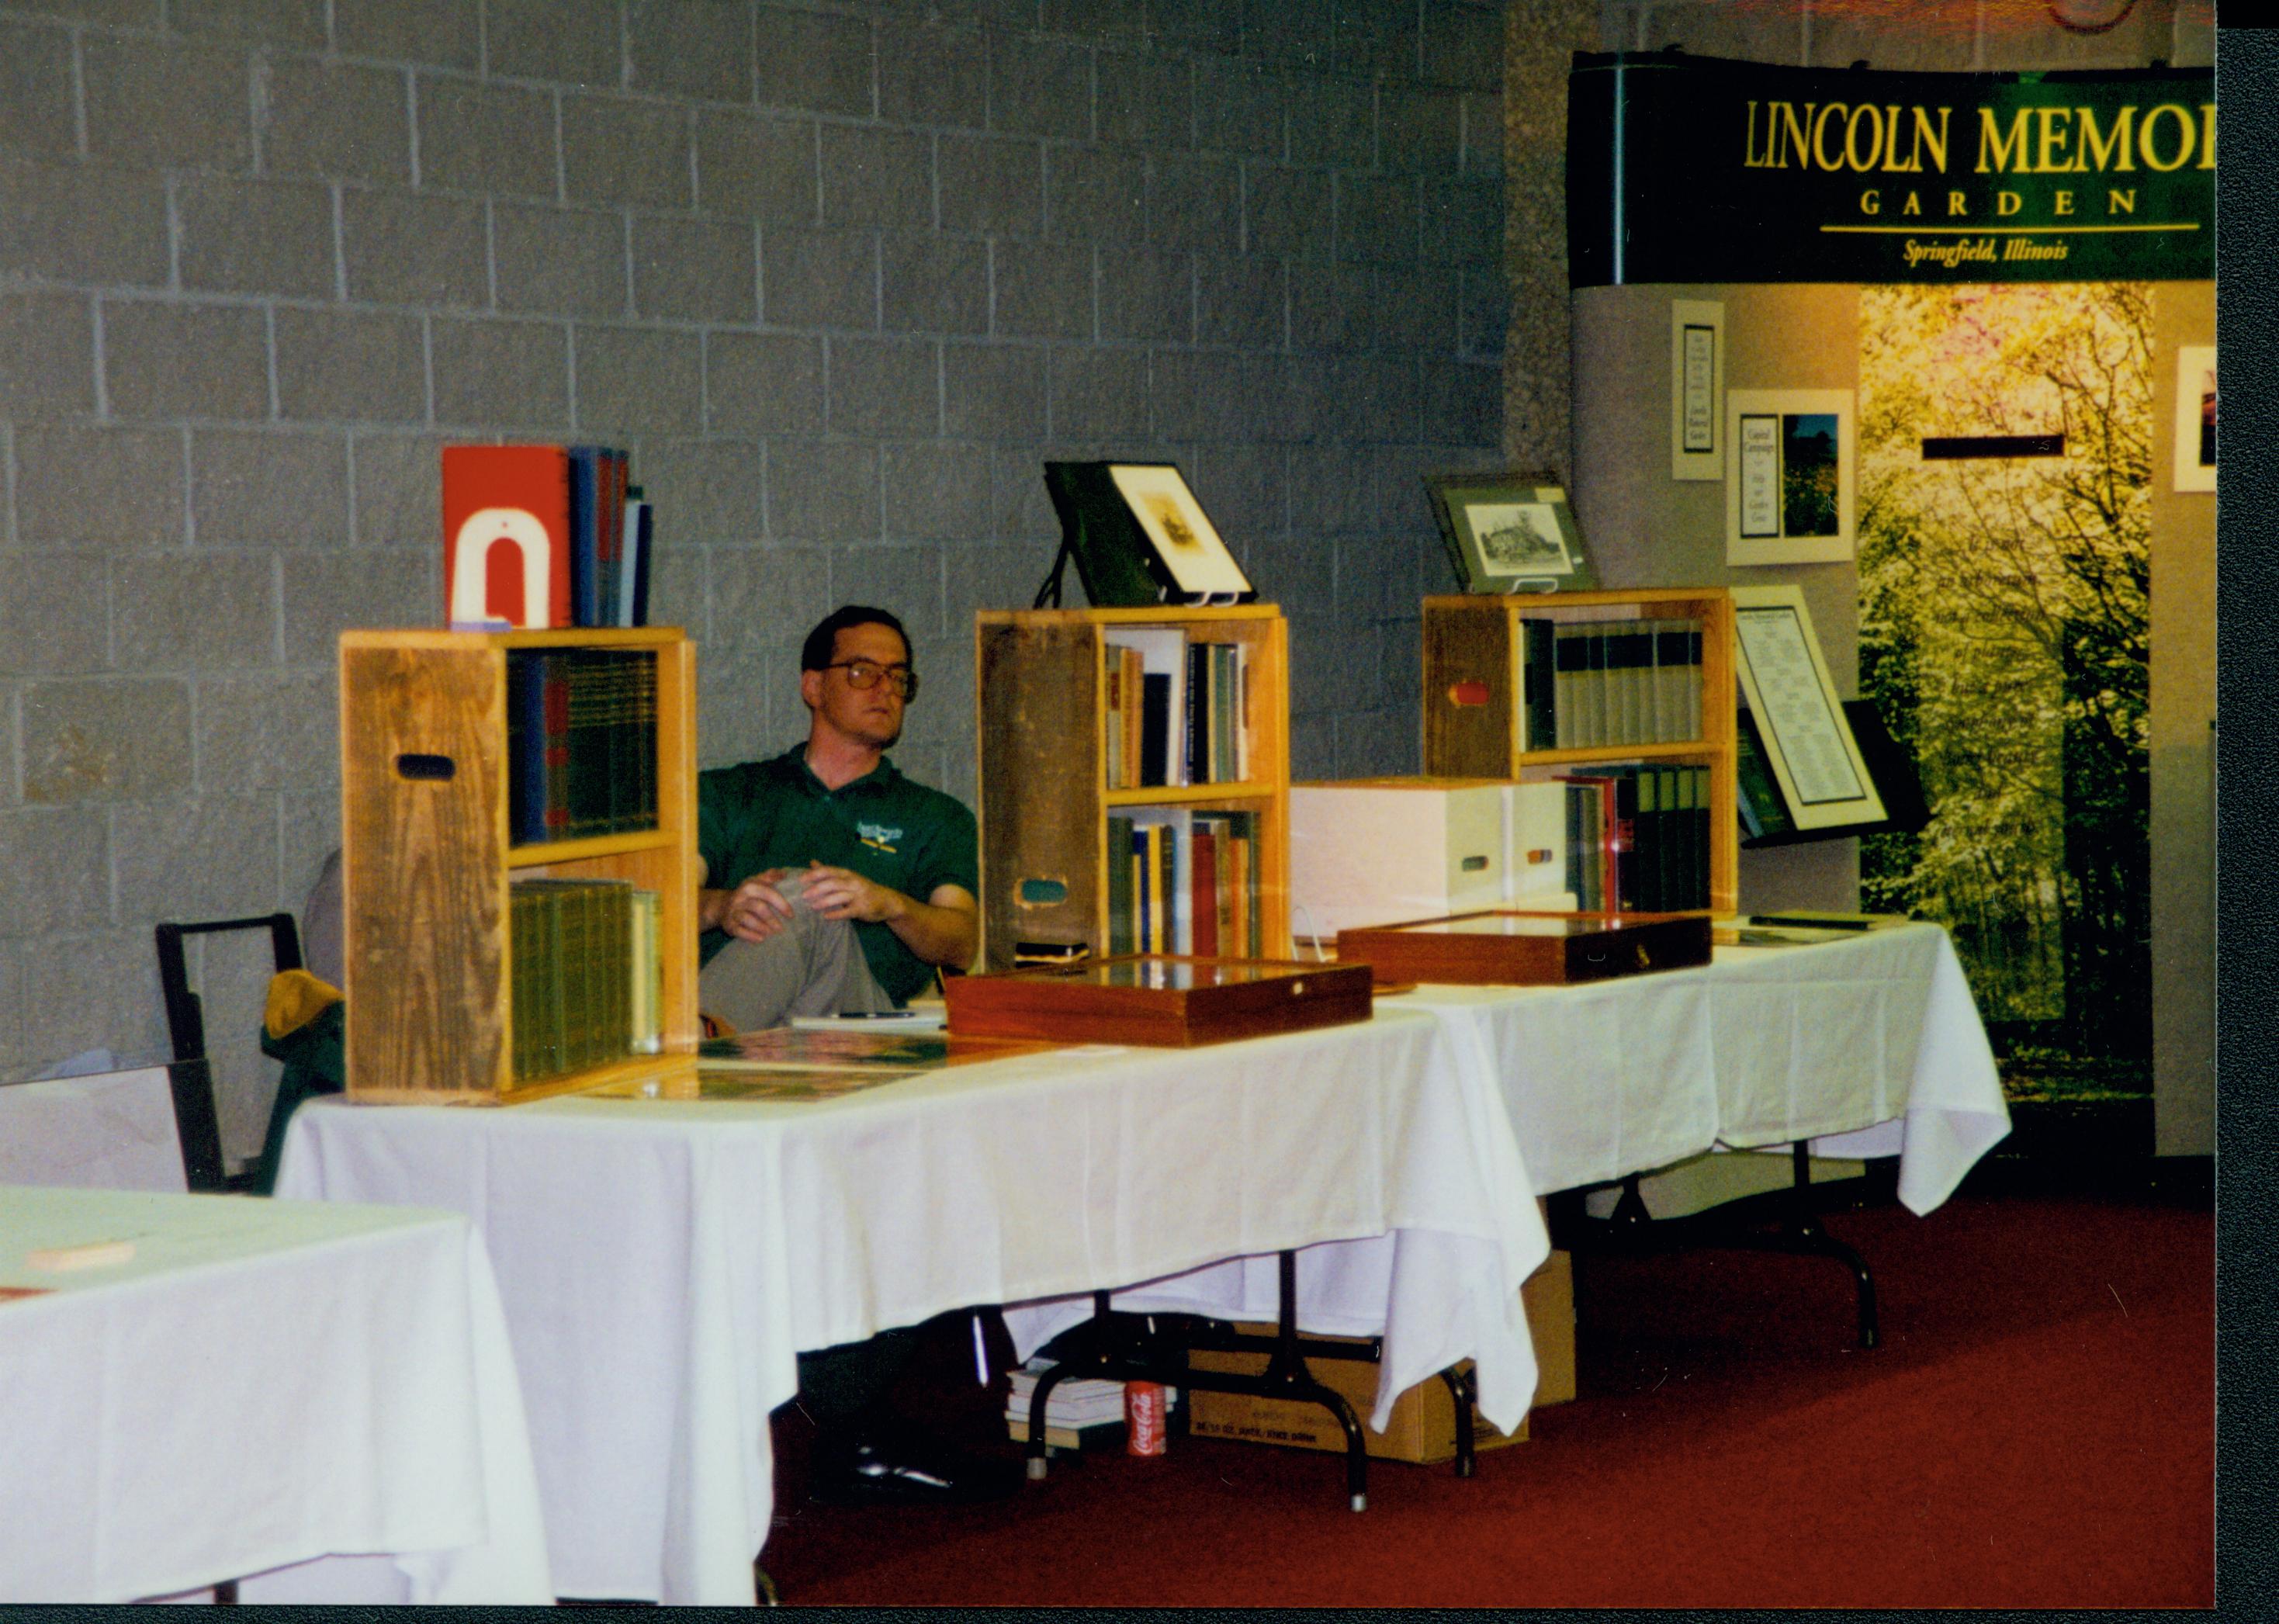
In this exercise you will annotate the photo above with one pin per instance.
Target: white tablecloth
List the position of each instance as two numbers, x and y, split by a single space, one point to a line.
662 1263
261 1385
1762 1046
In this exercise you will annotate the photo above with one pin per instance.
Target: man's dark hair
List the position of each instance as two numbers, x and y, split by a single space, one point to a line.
814 655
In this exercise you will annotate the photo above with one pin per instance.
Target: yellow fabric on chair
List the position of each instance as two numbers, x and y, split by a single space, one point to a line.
296 998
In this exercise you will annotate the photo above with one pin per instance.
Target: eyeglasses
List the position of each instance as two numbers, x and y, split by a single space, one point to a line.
865 674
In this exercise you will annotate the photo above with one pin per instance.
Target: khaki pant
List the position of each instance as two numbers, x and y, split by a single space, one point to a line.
812 967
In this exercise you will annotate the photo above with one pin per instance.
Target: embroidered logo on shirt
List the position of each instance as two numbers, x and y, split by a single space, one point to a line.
877 837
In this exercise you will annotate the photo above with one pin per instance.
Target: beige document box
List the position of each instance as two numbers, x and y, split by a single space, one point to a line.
1376 851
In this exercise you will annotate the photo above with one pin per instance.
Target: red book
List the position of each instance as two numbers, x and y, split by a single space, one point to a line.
1204 894
506 536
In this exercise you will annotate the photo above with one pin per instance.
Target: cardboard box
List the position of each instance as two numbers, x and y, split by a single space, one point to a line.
1373 851
1423 1425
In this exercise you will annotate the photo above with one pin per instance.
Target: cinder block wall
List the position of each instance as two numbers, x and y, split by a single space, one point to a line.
842 276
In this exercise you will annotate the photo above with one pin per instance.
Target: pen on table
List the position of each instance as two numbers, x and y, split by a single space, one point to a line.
1810 924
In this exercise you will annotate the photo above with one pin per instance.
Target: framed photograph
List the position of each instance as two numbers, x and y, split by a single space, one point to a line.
1697 385
1138 538
1509 531
1790 467
1806 741
1186 542
2196 416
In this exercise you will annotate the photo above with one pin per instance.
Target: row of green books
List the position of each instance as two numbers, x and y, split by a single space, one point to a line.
1178 712
586 978
1182 881
1590 683
581 743
1638 839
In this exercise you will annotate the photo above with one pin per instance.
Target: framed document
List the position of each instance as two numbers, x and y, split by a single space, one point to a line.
1790 470
1509 531
2195 418
1697 385
1139 538
1808 743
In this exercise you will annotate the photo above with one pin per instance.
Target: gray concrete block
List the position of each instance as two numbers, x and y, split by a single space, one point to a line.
1294 34
1210 25
1240 106
640 381
1098 393
741 710
196 857
1334 122
566 42
819 278
54 616
70 852
398 488
266 237
1483 133
85 992
1039 87
269 488
1095 194
1463 403
326 593
82 486
429 32
620 151
823 490
935 491
1195 202
995 575
1021 506
932 76
992 391
478 137
105 741
83 224
1241 301
904 580
201 611
269 22
1287 212
1462 45
1483 312
756 167
933 284
817 60
1421 129
1099 21
992 186
559 261
335 119
763 383
185 360
1374 41
35 90
875 176
1377 218
501 373
764 598
1146 100
1219 396
105 13
1417 310
47 354
405 248
1331 398
162 102
1331 493
690 47
1332 306
1146 297
18 1063
1043 290
1380 742
1463 222
711 492
883 386
677 595
1246 490
695 269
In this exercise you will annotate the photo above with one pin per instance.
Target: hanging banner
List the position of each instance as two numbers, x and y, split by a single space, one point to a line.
1692 170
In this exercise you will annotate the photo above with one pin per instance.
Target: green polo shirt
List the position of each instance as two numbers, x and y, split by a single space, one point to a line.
777 815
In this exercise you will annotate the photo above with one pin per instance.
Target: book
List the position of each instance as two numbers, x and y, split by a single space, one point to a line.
506 536
642 520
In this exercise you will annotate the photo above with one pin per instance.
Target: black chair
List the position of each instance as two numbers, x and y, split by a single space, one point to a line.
195 1117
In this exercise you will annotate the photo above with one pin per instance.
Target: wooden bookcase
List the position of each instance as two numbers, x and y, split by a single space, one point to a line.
1041 706
426 862
1472 713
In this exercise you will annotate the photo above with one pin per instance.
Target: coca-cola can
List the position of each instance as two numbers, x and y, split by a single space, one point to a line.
1143 1418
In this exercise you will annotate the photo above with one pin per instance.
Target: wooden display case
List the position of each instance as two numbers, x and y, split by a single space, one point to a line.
1508 947
426 862
1474 708
1042 718
1160 1001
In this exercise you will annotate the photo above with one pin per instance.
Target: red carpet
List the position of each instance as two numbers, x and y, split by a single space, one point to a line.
2037 1431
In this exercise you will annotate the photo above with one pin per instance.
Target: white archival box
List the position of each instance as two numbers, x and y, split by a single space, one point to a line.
1378 851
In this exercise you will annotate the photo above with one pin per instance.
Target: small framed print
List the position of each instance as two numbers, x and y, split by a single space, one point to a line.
1790 698
2196 416
1509 531
1697 380
1789 456
1186 543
